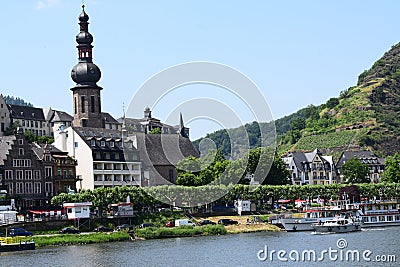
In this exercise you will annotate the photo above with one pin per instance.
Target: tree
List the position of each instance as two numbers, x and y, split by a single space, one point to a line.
392 169
298 124
332 102
278 174
155 131
30 136
355 171
12 128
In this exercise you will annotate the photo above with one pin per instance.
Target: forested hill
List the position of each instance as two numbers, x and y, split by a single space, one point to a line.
366 115
11 100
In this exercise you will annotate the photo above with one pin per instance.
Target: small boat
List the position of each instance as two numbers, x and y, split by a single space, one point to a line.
8 244
343 224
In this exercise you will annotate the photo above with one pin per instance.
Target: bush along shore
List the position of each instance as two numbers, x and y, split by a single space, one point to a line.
79 239
181 231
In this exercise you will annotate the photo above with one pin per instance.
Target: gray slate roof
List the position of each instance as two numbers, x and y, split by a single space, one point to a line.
26 113
365 156
165 149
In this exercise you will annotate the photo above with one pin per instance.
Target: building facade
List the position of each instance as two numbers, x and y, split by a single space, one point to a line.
311 168
27 171
376 165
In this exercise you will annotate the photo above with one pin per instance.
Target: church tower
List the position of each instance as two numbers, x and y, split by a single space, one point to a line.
86 92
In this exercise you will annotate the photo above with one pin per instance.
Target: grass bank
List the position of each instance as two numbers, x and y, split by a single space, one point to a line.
76 239
182 231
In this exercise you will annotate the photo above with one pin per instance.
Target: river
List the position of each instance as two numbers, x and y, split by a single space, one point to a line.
229 250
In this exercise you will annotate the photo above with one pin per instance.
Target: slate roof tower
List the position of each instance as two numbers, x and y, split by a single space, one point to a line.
86 92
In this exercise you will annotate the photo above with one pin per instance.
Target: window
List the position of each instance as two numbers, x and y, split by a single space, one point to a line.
11 188
48 171
37 188
102 143
111 144
21 151
48 187
92 142
76 144
59 172
28 174
75 106
19 175
20 188
8 174
28 188
83 104
21 141
36 174
47 158
92 103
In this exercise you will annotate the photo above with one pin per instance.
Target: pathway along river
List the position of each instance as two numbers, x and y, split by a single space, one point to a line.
297 248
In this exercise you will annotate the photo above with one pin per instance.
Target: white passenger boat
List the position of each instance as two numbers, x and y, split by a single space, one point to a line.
341 224
378 213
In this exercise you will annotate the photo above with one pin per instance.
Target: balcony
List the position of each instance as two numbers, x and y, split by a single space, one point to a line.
65 177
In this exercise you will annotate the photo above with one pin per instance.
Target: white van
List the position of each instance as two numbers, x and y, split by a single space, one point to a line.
181 222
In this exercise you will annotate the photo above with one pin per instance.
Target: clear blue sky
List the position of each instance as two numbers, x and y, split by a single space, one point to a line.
297 52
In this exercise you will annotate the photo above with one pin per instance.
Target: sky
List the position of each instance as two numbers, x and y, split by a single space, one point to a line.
296 52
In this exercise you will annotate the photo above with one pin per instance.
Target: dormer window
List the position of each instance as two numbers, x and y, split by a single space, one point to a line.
111 144
103 143
92 142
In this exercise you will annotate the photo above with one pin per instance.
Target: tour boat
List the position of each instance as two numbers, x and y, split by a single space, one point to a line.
380 213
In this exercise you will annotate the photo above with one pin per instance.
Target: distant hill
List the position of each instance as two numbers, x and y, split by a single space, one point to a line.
363 116
11 100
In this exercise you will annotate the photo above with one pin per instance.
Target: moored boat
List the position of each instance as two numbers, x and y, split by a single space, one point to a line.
8 244
341 224
378 213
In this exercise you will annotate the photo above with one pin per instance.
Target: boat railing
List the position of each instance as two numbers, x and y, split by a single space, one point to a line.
381 212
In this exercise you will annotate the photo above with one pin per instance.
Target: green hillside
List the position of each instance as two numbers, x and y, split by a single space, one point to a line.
365 115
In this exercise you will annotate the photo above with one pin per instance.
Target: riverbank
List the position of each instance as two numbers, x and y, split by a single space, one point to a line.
149 233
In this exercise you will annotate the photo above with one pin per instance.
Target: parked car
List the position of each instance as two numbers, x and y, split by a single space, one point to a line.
124 227
144 225
19 232
103 228
69 230
206 222
182 222
227 222
170 224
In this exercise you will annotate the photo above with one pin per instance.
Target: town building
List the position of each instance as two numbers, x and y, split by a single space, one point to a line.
376 165
29 119
27 170
311 168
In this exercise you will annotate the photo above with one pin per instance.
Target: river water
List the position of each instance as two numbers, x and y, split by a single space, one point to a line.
229 250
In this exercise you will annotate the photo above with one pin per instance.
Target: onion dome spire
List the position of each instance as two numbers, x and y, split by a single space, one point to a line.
85 73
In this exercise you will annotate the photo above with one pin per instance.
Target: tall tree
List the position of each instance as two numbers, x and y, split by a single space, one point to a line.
392 169
355 171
